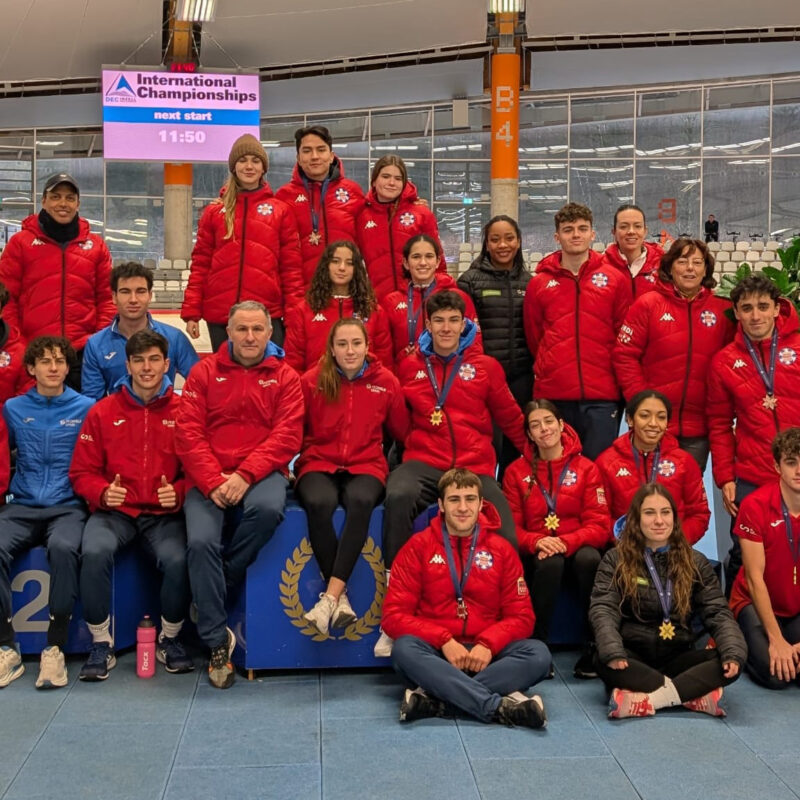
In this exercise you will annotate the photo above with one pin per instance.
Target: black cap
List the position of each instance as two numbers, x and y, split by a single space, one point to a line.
61 177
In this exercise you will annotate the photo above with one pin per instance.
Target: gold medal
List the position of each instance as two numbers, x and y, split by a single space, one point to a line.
770 402
667 630
551 522
436 416
314 237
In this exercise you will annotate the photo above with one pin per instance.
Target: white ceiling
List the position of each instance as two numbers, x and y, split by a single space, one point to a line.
56 39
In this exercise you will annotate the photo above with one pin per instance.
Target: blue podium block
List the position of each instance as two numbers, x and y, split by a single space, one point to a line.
134 592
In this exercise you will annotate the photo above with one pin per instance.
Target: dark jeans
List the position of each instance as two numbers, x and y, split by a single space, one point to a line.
758 645
411 488
595 421
320 493
734 561
59 528
163 538
516 667
546 576
694 673
219 333
697 447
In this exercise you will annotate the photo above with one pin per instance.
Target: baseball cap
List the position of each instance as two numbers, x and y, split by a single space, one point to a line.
61 177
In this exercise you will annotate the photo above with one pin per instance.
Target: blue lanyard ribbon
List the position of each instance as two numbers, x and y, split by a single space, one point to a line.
656 461
413 318
323 190
441 394
458 585
551 499
664 593
767 378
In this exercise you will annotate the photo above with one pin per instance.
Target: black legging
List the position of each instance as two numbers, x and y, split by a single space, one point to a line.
758 645
545 576
694 673
319 493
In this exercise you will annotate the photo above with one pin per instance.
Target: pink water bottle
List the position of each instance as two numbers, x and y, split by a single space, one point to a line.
146 648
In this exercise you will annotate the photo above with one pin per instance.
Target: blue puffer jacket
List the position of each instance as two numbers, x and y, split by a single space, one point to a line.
44 431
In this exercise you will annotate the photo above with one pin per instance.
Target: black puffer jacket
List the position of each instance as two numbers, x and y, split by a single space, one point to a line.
498 296
618 628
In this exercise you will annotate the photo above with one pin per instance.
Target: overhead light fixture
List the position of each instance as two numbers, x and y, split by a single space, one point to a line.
506 6
196 10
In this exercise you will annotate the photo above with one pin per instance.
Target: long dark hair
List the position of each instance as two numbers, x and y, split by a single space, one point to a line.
420 237
329 380
519 261
530 407
320 292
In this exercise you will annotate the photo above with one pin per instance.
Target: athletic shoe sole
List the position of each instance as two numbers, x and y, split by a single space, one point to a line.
110 664
12 675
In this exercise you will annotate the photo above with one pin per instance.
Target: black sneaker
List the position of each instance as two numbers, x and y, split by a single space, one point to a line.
101 660
418 704
518 709
221 673
584 666
172 654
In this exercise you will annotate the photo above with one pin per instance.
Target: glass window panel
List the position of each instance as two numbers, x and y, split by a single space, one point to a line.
543 190
785 197
603 185
786 117
406 134
736 120
668 192
135 227
543 128
668 123
602 127
208 179
471 142
357 170
457 180
350 133
17 195
128 178
736 192
80 153
461 223
279 132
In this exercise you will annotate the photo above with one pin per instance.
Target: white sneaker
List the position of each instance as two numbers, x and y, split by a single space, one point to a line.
344 614
11 666
320 615
383 647
52 669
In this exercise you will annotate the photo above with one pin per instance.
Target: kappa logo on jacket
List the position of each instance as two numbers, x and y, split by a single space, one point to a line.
371 224
437 559
36 241
401 305
552 283
301 198
738 364
622 472
420 375
319 317
667 317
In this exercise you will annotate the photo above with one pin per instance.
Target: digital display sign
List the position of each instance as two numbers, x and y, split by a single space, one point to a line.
157 115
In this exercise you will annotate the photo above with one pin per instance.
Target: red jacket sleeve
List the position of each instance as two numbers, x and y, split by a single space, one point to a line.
696 513
102 289
5 458
294 344
291 262
720 415
532 318
630 347
381 343
283 443
503 407
398 419
595 530
88 468
623 298
201 264
11 275
515 491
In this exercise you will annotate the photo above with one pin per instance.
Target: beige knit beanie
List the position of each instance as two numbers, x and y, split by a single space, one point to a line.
247 145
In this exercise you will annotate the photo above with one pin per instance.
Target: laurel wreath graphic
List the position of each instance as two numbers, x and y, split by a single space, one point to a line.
293 608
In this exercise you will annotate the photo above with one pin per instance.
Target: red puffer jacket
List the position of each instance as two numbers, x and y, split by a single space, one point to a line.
396 307
14 377
307 332
337 215
571 323
677 471
57 291
735 391
348 433
120 436
247 420
382 229
647 278
581 505
261 261
478 396
420 600
667 343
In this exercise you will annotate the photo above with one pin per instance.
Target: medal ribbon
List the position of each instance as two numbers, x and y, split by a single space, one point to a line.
767 378
664 593
656 461
794 547
551 499
458 585
322 192
441 394
412 318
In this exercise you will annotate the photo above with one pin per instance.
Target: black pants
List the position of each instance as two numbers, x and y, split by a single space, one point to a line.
734 561
319 493
758 645
73 379
545 577
694 673
218 333
697 447
522 389
411 488
596 422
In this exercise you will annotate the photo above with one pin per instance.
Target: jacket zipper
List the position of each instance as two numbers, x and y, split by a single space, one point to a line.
449 422
241 251
578 334
391 249
64 291
461 542
688 368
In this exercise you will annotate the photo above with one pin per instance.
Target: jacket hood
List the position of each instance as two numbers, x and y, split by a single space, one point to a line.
67 396
408 195
466 339
668 289
485 265
615 257
125 386
488 520
552 262
31 223
786 323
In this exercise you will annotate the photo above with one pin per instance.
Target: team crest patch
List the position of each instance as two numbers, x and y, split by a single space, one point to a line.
265 209
466 372
5 358
522 587
407 219
342 195
483 559
650 277
787 356
600 279
708 318
601 496
666 468
571 478
87 245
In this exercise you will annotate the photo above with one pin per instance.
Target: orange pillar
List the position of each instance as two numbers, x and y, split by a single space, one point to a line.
177 211
505 134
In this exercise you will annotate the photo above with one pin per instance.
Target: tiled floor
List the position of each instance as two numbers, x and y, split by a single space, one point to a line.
335 736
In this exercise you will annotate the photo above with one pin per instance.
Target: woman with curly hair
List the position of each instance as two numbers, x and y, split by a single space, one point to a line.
349 398
339 288
647 591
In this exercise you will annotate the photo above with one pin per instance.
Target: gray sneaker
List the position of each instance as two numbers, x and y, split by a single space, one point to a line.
221 673
344 614
11 666
320 615
52 669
